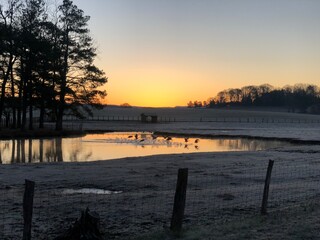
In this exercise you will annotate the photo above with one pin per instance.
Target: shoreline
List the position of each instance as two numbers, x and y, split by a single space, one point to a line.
8 134
226 136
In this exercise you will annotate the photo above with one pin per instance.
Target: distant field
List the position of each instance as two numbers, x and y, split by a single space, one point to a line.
209 122
191 114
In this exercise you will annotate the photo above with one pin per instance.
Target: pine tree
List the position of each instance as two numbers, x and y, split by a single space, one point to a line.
79 77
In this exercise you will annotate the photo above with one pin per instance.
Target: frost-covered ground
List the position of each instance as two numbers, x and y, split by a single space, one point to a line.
224 189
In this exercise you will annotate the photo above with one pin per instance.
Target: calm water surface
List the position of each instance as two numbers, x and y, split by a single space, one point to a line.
108 146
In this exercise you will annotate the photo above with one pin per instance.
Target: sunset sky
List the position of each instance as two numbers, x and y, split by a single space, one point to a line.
167 52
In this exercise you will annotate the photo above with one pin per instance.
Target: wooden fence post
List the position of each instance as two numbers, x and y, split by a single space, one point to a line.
179 200
27 209
266 189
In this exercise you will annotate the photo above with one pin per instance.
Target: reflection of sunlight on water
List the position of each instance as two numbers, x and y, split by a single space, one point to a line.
93 147
89 191
144 142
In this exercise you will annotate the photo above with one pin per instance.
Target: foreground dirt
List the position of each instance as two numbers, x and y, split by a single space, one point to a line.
223 197
294 223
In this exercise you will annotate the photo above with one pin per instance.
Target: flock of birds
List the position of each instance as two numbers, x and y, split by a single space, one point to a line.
166 138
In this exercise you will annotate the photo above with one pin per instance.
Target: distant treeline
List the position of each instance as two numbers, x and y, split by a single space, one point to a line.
46 62
297 98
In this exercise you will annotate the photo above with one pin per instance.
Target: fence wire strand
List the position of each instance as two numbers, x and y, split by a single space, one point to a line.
141 206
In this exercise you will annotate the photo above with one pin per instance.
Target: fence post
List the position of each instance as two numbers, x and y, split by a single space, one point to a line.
266 189
179 200
27 209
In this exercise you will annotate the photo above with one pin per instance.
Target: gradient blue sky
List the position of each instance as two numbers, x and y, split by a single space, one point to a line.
167 52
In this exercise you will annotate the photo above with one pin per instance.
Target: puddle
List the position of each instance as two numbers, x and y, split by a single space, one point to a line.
89 191
109 146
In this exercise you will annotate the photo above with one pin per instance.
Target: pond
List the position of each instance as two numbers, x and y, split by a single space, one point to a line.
116 145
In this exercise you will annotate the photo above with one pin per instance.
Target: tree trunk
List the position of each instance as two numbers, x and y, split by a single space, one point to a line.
3 92
14 117
2 98
20 104
14 113
24 106
30 112
59 124
63 85
6 75
61 105
41 117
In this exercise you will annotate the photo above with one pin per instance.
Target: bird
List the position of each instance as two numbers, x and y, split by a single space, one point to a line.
130 136
136 136
168 138
196 141
196 147
186 139
141 140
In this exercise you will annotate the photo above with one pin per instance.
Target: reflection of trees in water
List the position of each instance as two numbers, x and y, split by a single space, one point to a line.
247 144
41 150
4 146
31 150
23 150
0 153
53 150
77 153
50 155
13 150
58 145
18 151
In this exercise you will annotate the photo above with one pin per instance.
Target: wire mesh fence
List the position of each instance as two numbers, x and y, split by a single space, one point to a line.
164 119
134 205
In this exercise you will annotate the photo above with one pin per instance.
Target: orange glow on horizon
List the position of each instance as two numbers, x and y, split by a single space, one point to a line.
167 53
156 87
170 87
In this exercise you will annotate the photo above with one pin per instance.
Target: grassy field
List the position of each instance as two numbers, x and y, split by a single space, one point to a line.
224 193
195 114
299 222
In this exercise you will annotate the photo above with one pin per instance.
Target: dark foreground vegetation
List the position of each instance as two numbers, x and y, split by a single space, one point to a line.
46 63
39 133
298 98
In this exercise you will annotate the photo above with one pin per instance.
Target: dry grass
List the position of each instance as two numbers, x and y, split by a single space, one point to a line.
299 222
